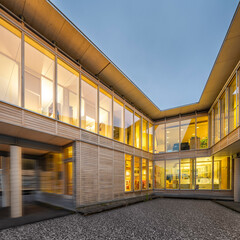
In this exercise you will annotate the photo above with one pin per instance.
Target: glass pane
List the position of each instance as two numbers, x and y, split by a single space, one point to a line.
145 135
202 132
68 178
150 138
67 94
150 174
39 78
144 174
88 105
187 174
222 173
233 105
159 175
137 173
138 131
216 123
172 174
117 120
188 135
128 172
105 113
68 152
128 126
224 116
10 66
172 135
212 128
204 173
159 139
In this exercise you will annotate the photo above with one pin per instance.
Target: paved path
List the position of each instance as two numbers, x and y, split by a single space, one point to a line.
156 219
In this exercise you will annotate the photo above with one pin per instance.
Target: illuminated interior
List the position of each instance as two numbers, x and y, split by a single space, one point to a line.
188 140
150 174
172 137
117 120
128 172
159 138
172 174
187 174
128 126
159 179
137 130
144 174
233 105
150 138
202 132
204 173
137 174
145 134
216 123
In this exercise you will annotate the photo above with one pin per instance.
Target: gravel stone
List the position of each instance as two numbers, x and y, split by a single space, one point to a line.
156 219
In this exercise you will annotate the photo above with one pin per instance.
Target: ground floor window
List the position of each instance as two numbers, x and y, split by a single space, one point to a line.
204 173
159 175
187 173
128 172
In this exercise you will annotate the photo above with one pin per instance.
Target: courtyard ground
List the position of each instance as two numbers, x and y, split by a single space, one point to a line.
157 219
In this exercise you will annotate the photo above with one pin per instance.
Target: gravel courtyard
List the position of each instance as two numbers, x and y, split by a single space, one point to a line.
156 219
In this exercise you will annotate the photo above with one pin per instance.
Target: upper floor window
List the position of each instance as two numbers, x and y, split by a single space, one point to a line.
117 120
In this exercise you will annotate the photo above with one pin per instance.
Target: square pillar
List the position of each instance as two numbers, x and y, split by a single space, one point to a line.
16 181
5 182
237 180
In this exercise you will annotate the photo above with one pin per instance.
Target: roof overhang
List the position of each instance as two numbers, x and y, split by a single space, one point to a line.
45 18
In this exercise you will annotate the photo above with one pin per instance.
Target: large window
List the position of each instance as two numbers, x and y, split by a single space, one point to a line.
137 130
159 175
67 94
137 174
202 132
172 135
187 174
145 135
172 174
128 172
203 173
10 63
117 120
222 173
159 138
128 126
144 174
224 115
150 174
88 105
233 105
39 78
188 135
105 113
150 134
216 123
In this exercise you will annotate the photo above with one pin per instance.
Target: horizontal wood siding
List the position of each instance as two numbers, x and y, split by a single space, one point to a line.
10 114
105 142
89 137
118 188
67 131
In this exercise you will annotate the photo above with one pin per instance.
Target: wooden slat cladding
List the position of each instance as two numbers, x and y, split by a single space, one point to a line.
146 155
68 131
39 123
129 149
88 174
89 137
138 152
105 142
10 114
233 136
105 171
118 187
118 146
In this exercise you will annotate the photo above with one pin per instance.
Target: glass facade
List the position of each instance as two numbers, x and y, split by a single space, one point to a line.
233 105
224 115
137 174
172 174
105 113
128 126
204 173
202 132
128 172
188 140
187 174
67 94
216 123
150 135
159 175
145 134
144 174
137 131
172 137
88 104
159 138
150 174
117 120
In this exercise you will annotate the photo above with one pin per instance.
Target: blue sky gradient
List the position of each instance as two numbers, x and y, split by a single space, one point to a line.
166 47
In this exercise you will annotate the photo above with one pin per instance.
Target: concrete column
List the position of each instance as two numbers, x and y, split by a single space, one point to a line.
16 181
5 182
237 180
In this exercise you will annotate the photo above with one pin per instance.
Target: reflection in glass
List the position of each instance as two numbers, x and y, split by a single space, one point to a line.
216 123
150 138
67 93
117 120
68 174
88 104
203 173
159 138
159 175
202 132
172 174
144 174
39 78
150 174
138 130
128 126
137 173
172 135
105 113
222 173
145 134
224 115
188 141
128 172
233 105
10 63
187 174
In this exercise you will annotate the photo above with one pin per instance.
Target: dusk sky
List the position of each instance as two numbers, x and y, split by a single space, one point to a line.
166 47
